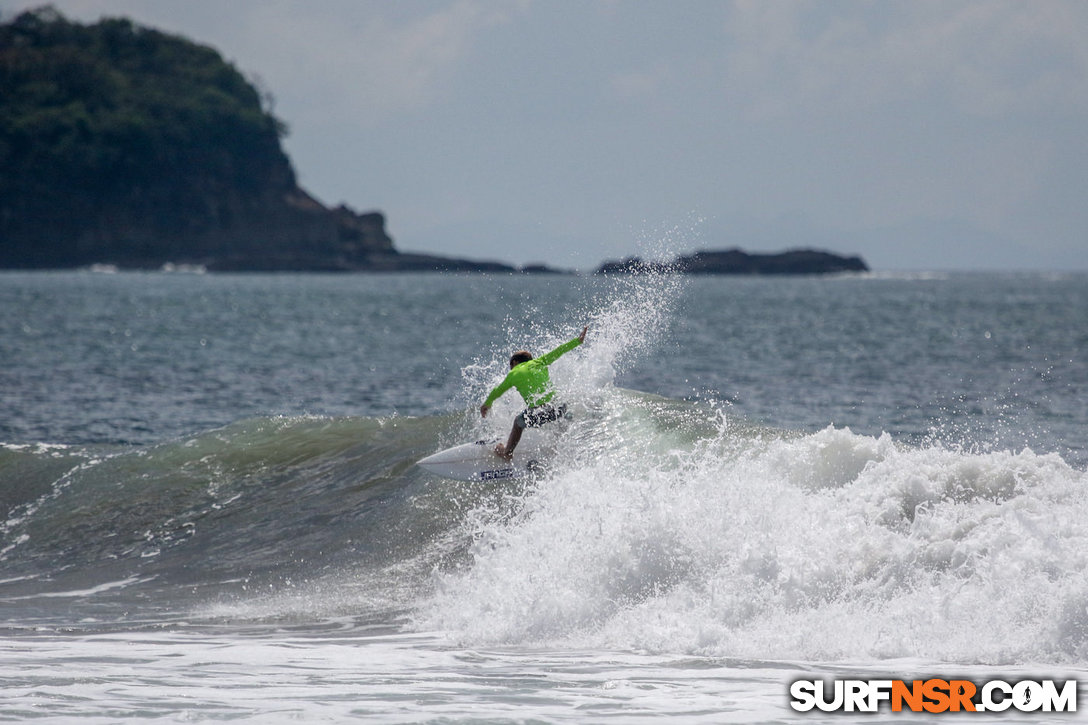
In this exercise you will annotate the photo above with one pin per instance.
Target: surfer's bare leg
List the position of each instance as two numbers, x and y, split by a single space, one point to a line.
507 451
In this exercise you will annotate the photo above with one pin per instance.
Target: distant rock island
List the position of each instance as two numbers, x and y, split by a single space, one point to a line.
125 146
736 261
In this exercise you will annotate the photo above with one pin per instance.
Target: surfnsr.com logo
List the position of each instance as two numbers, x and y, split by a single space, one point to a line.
934 695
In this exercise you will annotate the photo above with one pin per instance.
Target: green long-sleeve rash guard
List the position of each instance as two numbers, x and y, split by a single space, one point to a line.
531 378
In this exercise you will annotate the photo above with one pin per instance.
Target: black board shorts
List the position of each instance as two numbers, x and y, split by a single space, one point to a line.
541 414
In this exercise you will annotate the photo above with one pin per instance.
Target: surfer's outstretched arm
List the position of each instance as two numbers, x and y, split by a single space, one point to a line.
549 358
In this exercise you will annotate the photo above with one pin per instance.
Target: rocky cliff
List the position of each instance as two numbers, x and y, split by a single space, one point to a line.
123 145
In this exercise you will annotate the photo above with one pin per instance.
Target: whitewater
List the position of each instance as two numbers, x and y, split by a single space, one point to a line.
209 508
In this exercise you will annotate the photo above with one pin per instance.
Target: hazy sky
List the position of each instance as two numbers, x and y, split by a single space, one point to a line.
921 135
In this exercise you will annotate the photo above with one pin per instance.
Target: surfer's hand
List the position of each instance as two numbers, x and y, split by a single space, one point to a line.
582 337
483 410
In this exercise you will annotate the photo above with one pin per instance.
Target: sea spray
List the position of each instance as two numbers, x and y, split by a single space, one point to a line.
825 546
628 318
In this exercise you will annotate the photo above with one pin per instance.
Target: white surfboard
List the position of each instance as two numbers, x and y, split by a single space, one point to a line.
478 462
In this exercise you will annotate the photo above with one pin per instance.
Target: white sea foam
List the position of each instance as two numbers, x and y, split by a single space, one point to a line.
692 532
827 546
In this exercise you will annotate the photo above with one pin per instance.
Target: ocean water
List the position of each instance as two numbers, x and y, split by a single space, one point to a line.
209 508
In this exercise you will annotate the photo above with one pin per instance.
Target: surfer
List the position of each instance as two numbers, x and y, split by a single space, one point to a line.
530 376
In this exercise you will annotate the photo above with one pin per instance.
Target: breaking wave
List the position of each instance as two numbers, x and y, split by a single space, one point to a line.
664 525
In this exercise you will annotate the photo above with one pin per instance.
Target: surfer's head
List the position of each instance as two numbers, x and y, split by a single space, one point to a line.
519 357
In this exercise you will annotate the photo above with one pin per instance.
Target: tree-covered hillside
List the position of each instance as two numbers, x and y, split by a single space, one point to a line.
127 145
